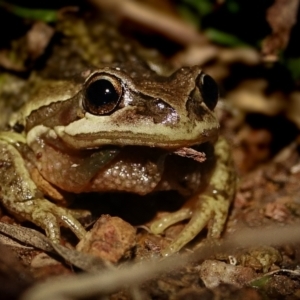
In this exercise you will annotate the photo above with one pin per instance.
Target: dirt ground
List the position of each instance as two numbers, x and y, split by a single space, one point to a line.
258 255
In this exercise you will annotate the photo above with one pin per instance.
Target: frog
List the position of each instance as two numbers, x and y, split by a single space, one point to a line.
118 126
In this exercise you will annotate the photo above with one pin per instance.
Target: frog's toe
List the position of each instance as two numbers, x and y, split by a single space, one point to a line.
160 225
48 222
79 214
217 222
50 217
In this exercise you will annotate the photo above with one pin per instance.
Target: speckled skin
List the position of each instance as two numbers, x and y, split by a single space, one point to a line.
126 149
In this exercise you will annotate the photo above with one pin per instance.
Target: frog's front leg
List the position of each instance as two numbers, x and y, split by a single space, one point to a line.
211 206
21 197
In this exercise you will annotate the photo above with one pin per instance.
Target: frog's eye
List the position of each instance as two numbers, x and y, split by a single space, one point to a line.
209 91
102 94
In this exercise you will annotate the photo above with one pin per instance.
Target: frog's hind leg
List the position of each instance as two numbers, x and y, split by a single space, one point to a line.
211 206
21 197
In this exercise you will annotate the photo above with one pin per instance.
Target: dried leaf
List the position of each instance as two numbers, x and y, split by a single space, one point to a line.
281 16
191 153
34 238
81 260
27 236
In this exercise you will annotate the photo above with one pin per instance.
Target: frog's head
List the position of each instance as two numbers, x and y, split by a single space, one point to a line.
112 107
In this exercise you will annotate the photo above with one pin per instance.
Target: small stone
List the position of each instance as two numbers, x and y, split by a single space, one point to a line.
111 239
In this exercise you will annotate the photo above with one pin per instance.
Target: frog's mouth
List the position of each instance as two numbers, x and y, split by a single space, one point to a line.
168 141
187 152
137 130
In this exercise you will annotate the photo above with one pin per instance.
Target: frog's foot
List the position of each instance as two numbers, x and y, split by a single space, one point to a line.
50 217
211 207
46 215
20 195
79 213
209 211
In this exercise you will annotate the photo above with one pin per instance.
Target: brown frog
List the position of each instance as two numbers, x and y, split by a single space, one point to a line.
117 127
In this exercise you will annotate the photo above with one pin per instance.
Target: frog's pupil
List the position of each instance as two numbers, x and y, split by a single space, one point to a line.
102 92
210 91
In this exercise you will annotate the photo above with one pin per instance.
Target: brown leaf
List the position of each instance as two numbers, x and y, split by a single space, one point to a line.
281 16
27 236
34 238
191 153
81 260
38 38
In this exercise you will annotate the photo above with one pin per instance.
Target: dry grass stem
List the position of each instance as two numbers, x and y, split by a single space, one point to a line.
88 285
160 22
